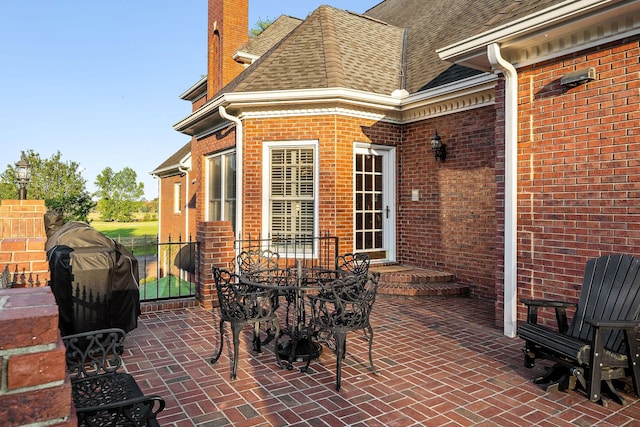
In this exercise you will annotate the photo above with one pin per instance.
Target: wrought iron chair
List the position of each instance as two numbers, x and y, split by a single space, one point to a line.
355 263
258 263
346 309
241 304
102 395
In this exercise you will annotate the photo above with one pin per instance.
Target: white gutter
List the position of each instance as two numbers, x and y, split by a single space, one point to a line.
159 205
510 186
536 21
239 169
290 97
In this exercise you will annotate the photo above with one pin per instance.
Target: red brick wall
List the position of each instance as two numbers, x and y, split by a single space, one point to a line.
452 225
22 240
578 168
34 388
336 136
224 139
173 223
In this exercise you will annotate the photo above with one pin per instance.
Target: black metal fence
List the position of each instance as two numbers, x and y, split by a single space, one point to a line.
320 252
20 279
168 269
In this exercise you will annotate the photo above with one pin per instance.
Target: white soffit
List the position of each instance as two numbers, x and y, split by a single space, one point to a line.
561 29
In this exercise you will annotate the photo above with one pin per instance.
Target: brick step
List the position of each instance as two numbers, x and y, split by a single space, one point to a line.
406 281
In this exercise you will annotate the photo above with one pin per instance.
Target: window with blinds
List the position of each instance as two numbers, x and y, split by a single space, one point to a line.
292 193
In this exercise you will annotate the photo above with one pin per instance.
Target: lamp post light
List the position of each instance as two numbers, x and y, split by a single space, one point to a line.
23 175
439 149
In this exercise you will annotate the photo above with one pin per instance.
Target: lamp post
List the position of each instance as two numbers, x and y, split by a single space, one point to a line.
23 175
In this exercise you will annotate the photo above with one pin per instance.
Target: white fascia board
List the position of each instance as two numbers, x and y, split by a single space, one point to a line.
457 89
330 95
245 57
189 92
530 23
204 111
185 163
289 97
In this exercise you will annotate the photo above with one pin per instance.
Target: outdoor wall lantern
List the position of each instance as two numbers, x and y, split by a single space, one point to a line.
439 149
23 176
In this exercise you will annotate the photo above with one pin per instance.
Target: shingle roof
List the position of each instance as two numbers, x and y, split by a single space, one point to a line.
331 48
434 24
271 35
173 162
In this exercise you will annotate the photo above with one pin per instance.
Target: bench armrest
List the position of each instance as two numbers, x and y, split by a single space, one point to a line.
560 308
547 303
613 324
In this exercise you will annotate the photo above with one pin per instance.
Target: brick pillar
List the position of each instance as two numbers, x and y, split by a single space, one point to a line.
22 240
34 385
216 249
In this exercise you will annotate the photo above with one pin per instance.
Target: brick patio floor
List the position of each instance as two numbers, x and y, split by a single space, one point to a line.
442 362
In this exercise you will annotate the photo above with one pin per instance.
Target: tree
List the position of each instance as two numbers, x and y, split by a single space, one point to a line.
60 184
261 25
120 194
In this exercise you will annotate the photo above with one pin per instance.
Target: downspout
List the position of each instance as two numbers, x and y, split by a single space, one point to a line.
510 187
159 204
239 170
186 203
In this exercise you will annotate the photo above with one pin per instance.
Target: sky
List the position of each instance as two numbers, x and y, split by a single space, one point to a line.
99 80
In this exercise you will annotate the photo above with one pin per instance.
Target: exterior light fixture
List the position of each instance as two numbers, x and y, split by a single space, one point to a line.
23 176
578 77
439 149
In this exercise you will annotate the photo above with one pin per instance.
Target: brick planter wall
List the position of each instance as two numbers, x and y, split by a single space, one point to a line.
22 240
216 249
34 386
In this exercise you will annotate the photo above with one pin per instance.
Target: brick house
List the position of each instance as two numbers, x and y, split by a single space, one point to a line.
325 125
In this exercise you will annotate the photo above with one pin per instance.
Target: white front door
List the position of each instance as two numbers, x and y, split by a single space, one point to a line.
374 201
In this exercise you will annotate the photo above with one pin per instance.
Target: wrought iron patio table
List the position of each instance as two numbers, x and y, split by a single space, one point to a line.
293 283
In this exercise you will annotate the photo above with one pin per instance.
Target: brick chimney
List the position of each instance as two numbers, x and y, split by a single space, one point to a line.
228 32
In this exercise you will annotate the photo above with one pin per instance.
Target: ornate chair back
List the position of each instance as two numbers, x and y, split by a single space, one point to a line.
355 263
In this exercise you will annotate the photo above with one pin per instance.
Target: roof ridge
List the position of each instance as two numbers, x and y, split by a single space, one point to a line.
333 55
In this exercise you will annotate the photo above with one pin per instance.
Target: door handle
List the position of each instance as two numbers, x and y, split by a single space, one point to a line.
387 209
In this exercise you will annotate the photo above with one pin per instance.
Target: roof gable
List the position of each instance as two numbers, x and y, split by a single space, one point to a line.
172 165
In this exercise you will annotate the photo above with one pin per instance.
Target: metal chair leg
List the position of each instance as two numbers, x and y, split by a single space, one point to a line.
236 328
341 338
373 369
215 358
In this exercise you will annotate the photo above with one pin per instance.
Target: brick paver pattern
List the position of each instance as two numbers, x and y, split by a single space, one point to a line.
441 362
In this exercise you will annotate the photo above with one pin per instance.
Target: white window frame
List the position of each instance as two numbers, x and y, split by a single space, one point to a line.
266 180
177 197
208 160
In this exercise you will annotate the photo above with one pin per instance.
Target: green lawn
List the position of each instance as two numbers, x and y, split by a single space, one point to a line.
127 229
169 286
139 237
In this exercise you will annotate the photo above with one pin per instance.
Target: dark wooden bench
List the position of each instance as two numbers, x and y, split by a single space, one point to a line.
600 345
103 396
